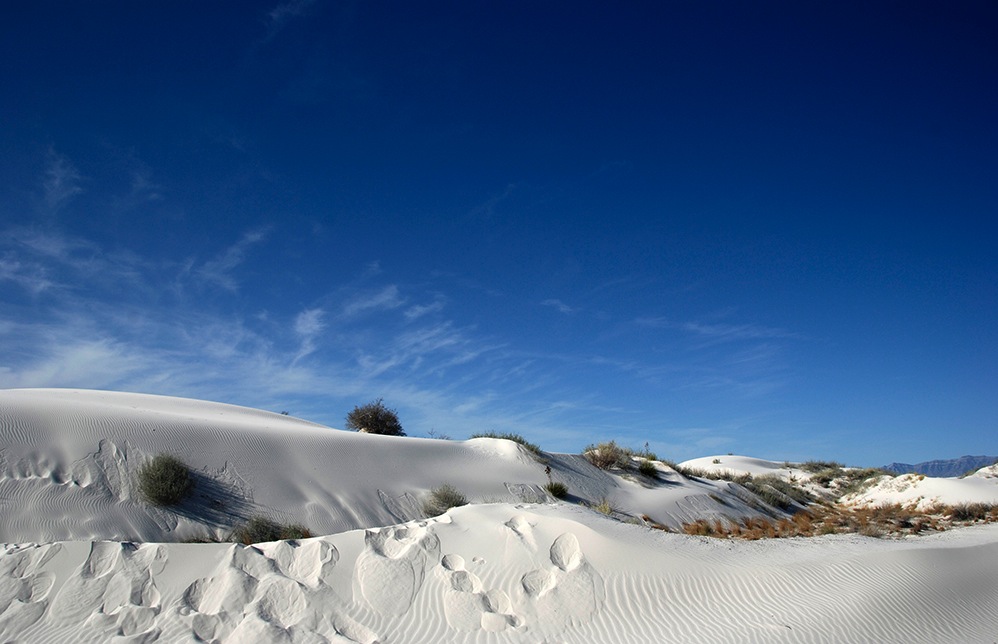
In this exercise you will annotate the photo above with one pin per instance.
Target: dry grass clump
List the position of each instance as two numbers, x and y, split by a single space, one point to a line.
263 530
443 498
647 467
607 456
516 438
887 520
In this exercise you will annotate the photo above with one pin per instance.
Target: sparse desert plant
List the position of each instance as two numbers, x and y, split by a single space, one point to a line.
261 530
557 489
604 507
443 498
970 511
516 438
647 467
607 455
716 461
777 492
375 418
165 480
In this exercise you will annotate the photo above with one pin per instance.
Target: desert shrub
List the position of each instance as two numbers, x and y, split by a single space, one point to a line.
262 530
607 455
716 461
604 507
516 438
777 492
165 480
648 468
646 453
859 479
817 466
443 498
375 418
970 512
557 489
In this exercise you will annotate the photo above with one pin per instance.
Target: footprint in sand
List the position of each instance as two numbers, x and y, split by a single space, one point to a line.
467 607
24 587
568 591
114 592
391 569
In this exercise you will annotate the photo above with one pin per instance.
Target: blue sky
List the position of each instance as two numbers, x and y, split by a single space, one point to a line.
760 228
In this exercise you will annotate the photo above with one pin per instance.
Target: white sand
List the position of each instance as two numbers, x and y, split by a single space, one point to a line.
83 563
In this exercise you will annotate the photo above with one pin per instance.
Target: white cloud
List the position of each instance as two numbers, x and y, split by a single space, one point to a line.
384 300
419 310
308 325
218 270
61 182
559 305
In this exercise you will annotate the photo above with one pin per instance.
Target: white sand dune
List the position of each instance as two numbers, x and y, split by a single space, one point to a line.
923 492
84 560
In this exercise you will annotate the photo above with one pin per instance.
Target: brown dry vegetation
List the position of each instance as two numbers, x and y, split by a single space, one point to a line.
876 521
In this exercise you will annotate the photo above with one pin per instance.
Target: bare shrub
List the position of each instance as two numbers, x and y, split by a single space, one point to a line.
375 418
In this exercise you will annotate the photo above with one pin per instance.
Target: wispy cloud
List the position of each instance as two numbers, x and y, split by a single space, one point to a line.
219 270
560 306
61 182
417 311
308 325
383 300
487 209
283 13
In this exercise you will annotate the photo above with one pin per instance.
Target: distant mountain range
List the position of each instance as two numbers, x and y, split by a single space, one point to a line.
945 468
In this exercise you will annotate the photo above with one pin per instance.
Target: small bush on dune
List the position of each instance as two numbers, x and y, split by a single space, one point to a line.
816 466
165 480
970 511
604 507
443 498
375 418
516 438
648 468
556 489
262 530
607 455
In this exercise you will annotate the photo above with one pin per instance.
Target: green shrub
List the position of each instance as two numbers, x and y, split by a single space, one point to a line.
375 418
648 468
607 455
165 480
443 498
557 489
516 438
262 530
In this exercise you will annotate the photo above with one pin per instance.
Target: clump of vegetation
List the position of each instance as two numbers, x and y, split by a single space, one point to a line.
557 489
262 530
859 479
165 480
647 467
375 418
604 507
607 455
818 466
443 498
516 438
778 492
971 511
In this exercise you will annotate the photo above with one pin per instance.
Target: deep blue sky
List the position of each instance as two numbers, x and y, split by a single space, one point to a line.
760 228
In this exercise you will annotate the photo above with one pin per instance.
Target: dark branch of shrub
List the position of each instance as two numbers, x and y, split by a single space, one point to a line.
375 418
